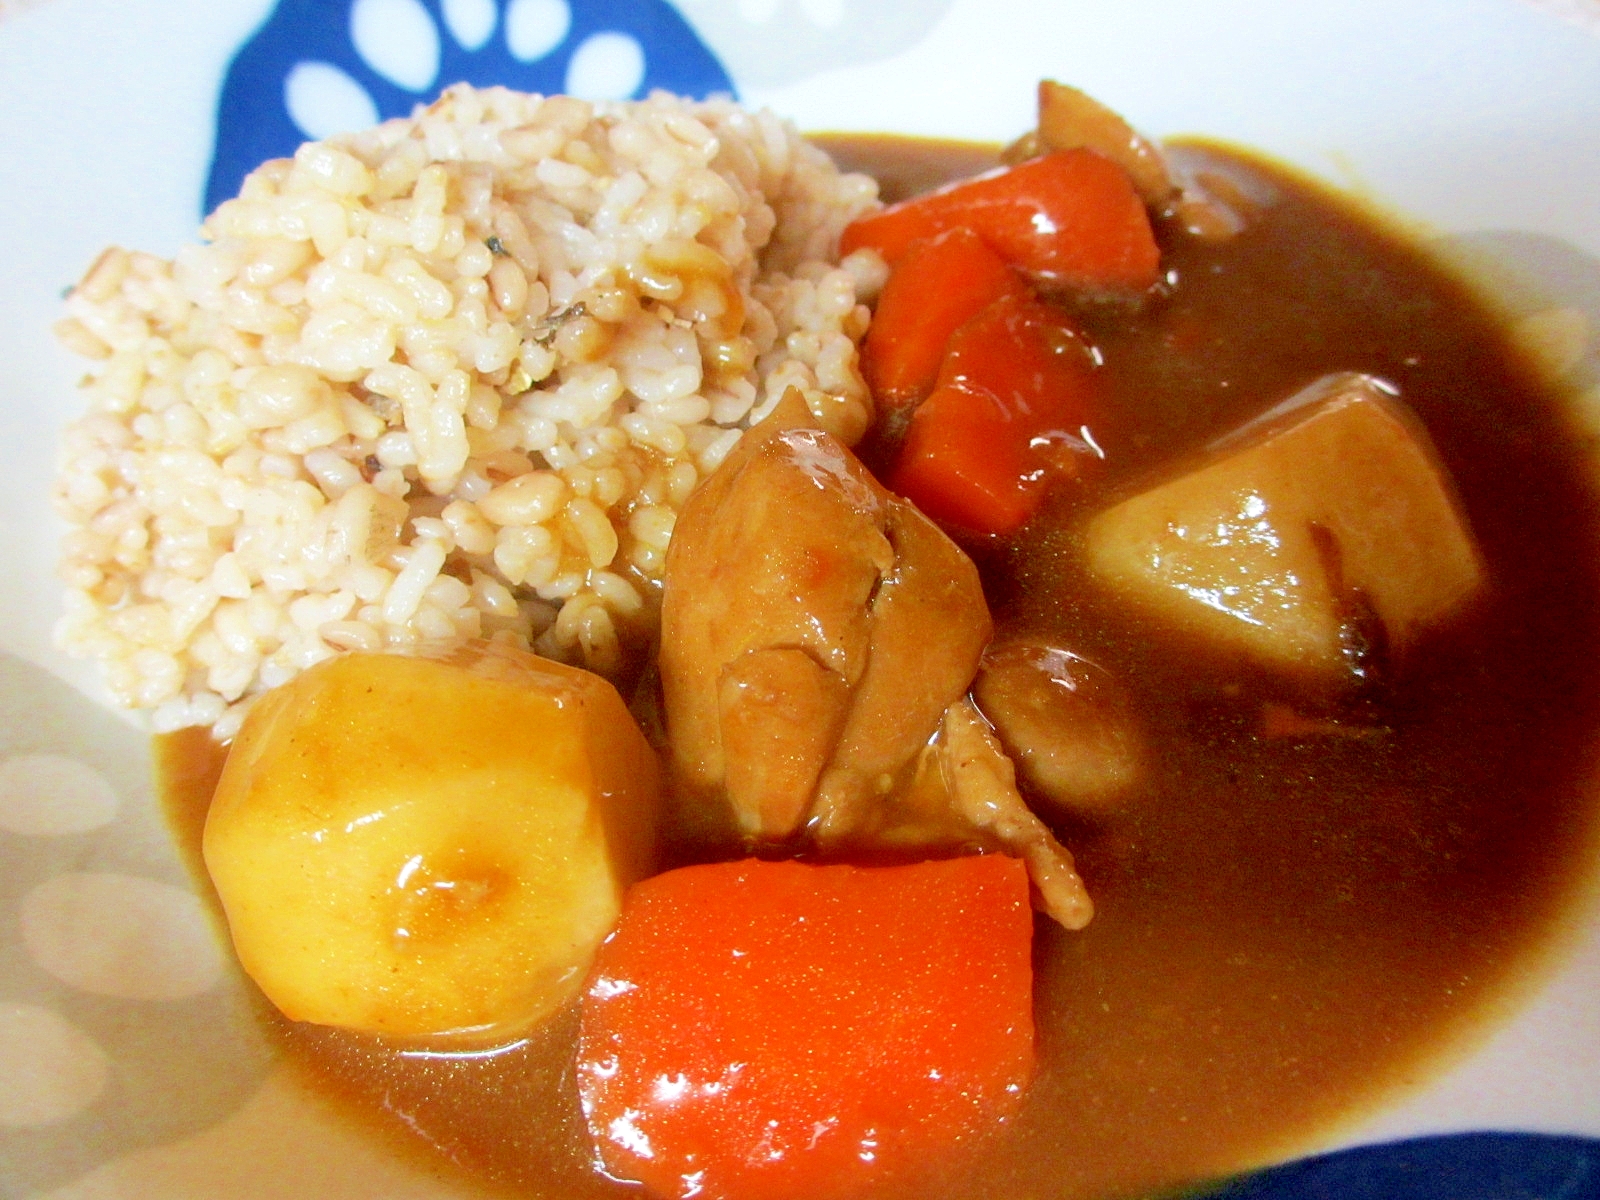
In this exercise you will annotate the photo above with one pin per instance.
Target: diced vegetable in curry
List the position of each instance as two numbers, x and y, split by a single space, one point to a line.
1323 519
796 1014
444 861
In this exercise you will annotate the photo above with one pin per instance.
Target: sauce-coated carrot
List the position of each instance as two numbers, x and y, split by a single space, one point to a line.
1071 217
784 1031
938 286
1015 394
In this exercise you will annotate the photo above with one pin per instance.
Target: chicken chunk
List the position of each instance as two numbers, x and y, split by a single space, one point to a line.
982 786
1064 720
818 637
1070 118
961 796
814 630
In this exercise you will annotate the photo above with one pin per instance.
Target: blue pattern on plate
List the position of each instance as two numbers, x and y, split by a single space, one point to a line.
656 46
1464 1166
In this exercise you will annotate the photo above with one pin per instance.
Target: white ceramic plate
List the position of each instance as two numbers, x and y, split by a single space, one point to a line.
127 1067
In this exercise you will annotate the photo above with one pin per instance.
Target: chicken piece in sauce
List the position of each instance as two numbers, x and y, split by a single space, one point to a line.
814 629
1069 118
1066 721
965 793
1205 206
816 633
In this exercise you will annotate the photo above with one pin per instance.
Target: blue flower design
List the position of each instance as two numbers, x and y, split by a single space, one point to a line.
318 67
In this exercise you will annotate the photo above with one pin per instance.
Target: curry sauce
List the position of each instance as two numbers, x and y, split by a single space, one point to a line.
1293 920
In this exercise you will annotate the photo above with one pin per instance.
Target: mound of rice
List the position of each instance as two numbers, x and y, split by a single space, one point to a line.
451 377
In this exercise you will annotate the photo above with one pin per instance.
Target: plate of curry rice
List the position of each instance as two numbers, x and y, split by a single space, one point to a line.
759 599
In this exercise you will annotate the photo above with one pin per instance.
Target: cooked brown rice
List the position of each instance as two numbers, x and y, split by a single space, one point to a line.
450 377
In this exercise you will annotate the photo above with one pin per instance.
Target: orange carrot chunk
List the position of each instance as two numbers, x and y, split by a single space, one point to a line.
784 1031
1011 407
938 286
962 464
1071 217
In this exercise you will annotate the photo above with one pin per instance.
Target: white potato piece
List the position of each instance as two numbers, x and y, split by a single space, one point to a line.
410 846
1331 505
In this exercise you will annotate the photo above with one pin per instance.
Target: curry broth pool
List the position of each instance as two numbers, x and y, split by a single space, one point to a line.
1290 924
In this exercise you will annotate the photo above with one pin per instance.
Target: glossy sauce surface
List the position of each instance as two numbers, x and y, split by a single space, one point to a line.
1287 926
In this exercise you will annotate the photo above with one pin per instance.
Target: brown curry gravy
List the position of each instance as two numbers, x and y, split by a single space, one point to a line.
1287 929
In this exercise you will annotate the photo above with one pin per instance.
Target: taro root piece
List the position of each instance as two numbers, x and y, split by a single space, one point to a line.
1320 534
